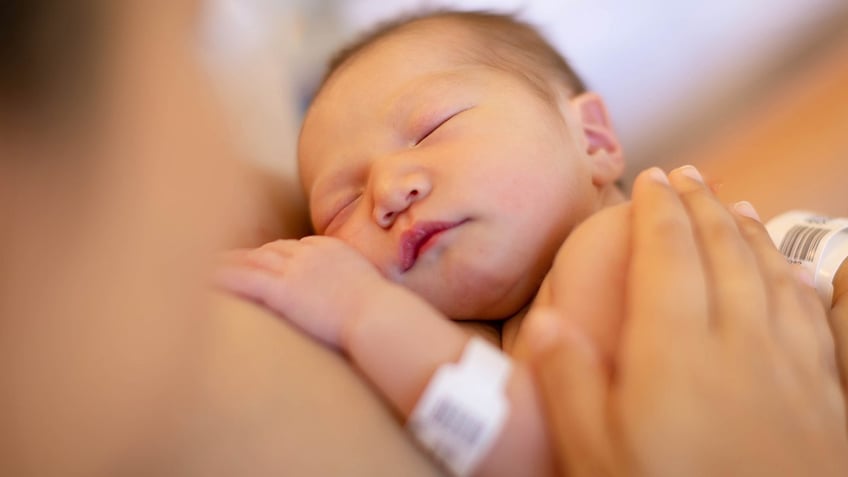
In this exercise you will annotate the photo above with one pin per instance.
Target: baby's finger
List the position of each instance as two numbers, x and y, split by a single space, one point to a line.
271 291
267 258
273 256
666 286
231 257
738 297
253 284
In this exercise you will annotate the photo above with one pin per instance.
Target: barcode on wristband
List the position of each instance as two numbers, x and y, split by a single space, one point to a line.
456 420
463 409
459 431
801 243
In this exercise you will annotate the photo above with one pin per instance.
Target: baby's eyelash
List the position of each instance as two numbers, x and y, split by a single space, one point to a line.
341 208
438 125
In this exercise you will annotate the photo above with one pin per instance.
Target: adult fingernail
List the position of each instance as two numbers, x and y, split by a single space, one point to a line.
657 175
806 277
692 173
746 209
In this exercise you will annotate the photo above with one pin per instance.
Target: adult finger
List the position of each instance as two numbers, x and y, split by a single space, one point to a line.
734 282
839 321
574 387
666 286
793 306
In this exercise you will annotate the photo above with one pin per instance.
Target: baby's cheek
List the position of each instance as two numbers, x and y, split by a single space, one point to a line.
355 232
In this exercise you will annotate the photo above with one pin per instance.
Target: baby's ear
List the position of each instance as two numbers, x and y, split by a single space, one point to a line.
601 143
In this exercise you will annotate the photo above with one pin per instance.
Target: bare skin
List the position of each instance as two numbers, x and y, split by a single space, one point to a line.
727 375
839 322
267 414
114 359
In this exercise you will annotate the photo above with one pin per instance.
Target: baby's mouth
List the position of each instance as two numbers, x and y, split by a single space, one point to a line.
420 238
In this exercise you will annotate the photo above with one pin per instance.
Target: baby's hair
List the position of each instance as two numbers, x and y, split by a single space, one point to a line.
502 41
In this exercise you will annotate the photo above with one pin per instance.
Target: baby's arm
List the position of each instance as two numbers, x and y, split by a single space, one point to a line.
395 338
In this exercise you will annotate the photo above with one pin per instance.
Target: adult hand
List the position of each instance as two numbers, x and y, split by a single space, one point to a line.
317 283
839 323
721 367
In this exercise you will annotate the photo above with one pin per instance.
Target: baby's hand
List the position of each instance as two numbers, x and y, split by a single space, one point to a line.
317 283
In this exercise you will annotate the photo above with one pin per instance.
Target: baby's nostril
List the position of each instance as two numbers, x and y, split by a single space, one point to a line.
388 216
413 194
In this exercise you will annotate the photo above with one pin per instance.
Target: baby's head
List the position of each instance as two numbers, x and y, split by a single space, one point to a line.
457 151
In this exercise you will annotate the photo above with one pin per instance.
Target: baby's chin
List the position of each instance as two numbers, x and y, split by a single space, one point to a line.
480 301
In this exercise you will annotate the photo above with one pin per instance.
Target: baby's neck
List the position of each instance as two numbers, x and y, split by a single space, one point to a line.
611 195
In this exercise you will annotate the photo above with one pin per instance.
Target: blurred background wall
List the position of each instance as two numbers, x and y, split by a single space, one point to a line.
674 73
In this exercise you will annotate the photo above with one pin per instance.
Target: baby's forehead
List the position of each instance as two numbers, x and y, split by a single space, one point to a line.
509 47
396 67
453 38
348 111
389 77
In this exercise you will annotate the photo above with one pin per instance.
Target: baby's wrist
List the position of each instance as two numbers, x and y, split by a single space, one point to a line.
375 299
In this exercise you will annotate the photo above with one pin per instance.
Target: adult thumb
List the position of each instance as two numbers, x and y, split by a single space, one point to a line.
574 386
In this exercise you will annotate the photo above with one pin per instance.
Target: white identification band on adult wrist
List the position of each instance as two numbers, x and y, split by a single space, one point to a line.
464 407
819 244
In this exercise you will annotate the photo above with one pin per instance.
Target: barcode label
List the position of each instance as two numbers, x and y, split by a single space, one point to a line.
801 243
456 420
463 409
460 430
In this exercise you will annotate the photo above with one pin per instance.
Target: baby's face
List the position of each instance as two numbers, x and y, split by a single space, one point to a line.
457 180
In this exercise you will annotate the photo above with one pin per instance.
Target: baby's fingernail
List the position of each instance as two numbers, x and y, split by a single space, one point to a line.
657 175
745 209
692 173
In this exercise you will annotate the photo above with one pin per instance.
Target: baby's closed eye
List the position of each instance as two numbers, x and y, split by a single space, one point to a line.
341 210
436 124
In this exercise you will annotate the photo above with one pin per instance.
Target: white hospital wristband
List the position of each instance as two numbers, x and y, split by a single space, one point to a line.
464 407
819 244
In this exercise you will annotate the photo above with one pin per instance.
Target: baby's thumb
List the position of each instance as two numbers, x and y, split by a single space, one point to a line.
574 388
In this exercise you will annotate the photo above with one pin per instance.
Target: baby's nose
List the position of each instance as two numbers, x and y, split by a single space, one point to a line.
395 197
